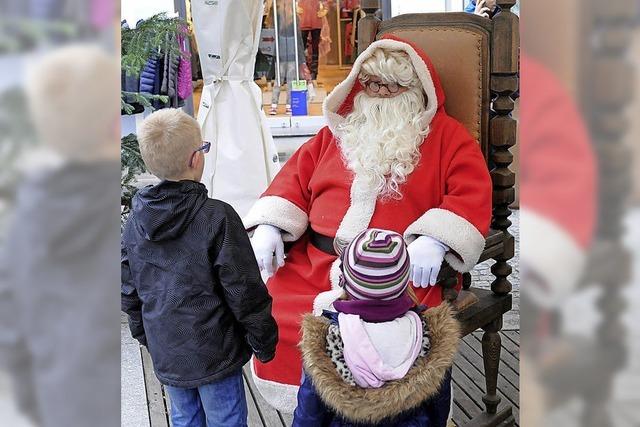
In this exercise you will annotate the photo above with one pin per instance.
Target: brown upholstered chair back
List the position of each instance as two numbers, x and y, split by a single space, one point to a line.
459 47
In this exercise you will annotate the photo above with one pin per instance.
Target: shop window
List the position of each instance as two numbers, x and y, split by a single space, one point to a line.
304 40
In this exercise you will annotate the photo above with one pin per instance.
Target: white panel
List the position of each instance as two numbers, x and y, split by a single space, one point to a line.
399 7
134 10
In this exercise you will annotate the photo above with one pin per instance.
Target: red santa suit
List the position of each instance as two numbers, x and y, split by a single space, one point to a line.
447 197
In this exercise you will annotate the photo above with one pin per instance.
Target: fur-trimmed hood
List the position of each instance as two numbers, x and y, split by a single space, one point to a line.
339 103
372 405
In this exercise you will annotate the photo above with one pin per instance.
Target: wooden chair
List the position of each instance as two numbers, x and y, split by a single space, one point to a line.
477 60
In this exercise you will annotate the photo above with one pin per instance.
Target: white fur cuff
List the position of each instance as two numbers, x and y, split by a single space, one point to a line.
279 212
551 253
454 231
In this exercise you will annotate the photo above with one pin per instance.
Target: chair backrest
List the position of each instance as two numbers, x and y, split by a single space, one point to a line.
459 45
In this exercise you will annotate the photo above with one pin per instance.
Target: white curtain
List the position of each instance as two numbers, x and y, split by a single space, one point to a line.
243 159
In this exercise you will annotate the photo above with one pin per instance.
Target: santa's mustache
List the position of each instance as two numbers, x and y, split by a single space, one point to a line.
380 138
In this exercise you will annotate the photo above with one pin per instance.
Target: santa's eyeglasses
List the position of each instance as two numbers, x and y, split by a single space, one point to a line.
375 87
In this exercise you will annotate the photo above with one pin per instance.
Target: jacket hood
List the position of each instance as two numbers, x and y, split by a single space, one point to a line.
163 211
339 102
373 405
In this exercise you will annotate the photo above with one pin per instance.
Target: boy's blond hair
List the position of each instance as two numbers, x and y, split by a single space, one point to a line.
167 141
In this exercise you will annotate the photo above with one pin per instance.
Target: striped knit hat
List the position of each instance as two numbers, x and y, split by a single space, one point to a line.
375 266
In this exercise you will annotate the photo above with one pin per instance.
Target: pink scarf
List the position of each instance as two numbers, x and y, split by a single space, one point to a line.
366 356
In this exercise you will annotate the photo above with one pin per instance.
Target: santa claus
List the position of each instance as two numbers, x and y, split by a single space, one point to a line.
391 158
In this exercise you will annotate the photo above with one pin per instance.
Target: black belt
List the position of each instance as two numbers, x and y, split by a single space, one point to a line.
322 242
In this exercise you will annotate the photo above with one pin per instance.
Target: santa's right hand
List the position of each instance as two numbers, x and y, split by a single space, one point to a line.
267 242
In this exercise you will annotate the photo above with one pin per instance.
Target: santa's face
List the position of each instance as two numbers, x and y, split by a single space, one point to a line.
380 139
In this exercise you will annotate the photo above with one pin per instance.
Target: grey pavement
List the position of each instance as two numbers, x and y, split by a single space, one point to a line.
133 396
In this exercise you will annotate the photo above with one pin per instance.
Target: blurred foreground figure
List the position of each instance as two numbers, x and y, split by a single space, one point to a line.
574 185
558 184
59 309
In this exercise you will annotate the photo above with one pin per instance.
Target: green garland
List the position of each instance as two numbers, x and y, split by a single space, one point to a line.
144 99
153 36
131 165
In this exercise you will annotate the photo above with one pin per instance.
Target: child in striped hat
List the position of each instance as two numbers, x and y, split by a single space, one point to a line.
378 359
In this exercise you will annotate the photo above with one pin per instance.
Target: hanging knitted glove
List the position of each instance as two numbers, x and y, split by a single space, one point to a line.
426 254
267 241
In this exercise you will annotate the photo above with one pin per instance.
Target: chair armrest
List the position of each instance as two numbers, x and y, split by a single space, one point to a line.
448 277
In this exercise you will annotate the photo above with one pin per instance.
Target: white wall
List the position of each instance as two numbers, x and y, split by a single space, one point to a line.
399 7
134 10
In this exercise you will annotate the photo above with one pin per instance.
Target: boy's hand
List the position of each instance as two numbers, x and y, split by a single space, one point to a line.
267 241
265 358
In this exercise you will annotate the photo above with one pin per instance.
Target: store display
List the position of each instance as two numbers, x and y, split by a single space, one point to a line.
311 25
155 73
350 15
299 98
185 87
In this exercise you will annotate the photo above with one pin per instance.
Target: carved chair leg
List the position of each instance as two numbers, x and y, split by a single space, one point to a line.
491 343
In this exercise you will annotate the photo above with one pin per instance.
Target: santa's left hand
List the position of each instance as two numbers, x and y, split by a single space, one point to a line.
426 254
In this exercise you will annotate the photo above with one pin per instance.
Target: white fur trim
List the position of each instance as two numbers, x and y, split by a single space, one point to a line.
283 397
281 213
325 300
552 254
360 212
361 208
335 274
452 230
335 99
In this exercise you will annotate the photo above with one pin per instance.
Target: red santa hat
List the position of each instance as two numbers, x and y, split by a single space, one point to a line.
339 102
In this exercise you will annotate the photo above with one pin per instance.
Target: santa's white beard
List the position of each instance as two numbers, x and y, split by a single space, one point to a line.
380 139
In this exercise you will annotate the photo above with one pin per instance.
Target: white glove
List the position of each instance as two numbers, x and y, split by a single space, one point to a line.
267 241
426 254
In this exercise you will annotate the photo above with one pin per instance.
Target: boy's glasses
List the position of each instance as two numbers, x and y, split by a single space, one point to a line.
206 146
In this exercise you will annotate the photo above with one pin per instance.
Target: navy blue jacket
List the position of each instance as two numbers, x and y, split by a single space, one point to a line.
150 78
421 398
191 285
313 412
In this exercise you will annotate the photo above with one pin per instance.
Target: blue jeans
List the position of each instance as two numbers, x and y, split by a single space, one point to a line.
219 404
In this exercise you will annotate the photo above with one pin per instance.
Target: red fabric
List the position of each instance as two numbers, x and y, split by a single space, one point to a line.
452 175
309 17
558 168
